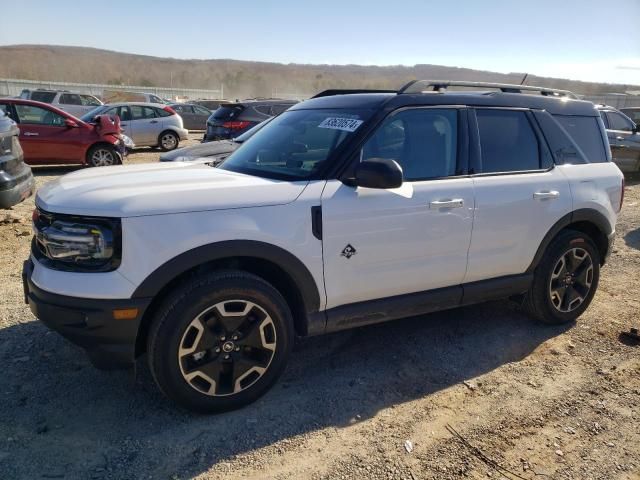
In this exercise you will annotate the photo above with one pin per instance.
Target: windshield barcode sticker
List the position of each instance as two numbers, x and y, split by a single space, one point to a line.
336 123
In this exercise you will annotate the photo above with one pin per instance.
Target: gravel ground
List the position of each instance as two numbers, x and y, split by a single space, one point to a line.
375 402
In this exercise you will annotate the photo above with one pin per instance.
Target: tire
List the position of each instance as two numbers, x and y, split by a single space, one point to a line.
102 156
565 280
168 141
230 325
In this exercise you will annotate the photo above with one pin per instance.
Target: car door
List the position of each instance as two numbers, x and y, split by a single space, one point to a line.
200 118
624 141
145 125
519 194
45 138
383 243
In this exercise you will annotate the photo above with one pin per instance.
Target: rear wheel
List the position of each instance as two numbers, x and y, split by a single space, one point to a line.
220 342
168 141
102 156
566 279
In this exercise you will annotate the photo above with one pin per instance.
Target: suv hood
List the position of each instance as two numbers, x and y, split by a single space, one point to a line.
156 189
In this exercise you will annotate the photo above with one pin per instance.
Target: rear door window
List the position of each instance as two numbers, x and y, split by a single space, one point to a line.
70 99
508 142
139 112
586 133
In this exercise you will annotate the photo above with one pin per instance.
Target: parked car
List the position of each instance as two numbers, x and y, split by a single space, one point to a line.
212 105
16 179
218 149
147 124
76 104
193 116
233 119
122 96
49 135
345 210
624 138
633 113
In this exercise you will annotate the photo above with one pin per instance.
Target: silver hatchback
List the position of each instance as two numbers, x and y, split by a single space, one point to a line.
148 124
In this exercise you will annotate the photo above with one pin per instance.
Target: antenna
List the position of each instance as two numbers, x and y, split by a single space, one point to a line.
524 78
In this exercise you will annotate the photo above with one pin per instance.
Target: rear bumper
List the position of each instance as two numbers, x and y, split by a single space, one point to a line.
88 323
16 189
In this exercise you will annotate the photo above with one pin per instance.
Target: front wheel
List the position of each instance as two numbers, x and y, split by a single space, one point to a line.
566 279
220 341
102 156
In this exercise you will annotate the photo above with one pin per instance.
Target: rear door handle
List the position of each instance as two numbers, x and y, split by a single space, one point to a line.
454 203
153 121
546 194
31 134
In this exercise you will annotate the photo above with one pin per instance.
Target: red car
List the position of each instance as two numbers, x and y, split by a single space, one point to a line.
49 135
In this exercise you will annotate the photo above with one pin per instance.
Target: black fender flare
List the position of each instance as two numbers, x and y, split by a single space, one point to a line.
195 257
581 215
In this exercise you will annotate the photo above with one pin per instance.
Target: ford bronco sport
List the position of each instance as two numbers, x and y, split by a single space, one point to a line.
350 208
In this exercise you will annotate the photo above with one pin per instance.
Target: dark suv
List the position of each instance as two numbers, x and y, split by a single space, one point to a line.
16 179
624 138
233 119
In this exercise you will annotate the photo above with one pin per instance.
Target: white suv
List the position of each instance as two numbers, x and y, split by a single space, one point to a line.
348 209
76 104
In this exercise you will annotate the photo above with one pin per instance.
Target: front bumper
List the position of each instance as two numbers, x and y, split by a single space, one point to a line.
88 323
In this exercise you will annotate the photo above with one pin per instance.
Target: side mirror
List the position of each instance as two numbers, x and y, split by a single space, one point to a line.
70 123
634 130
378 173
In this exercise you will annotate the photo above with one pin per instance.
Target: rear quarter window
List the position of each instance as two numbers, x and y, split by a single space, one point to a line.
586 133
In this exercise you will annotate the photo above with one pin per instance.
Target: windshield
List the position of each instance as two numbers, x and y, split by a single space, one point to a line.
90 115
251 132
295 144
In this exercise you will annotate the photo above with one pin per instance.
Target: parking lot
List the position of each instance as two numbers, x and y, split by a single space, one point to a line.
375 402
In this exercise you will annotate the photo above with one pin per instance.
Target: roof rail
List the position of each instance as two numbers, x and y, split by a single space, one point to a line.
420 86
332 92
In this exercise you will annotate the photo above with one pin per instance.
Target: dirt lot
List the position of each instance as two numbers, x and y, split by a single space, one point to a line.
542 402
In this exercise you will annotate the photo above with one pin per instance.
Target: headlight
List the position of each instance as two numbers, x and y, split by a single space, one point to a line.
127 141
66 242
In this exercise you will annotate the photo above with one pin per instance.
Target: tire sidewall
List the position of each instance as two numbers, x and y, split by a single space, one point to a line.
93 149
543 276
168 132
167 338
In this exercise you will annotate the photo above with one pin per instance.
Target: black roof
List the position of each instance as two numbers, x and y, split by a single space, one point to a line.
554 105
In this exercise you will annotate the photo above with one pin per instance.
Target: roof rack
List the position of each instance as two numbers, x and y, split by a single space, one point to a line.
421 86
335 91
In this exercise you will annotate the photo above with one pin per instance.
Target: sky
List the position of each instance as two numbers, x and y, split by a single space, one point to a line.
589 40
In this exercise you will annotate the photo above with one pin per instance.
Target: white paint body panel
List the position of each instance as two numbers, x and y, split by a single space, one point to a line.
158 189
403 245
509 223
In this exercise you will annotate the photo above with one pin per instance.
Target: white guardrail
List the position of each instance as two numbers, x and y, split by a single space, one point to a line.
11 87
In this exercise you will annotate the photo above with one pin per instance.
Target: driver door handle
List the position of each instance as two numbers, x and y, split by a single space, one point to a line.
619 138
31 134
454 203
546 194
153 121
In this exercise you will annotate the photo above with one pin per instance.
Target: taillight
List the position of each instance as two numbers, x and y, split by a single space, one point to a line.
169 109
622 194
236 125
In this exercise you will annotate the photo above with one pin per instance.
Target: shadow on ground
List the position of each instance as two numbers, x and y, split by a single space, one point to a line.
63 416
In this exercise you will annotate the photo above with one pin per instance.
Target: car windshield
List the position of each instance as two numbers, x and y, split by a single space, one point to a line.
251 132
295 144
90 115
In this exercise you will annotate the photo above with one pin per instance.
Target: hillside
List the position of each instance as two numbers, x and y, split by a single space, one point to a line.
240 78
